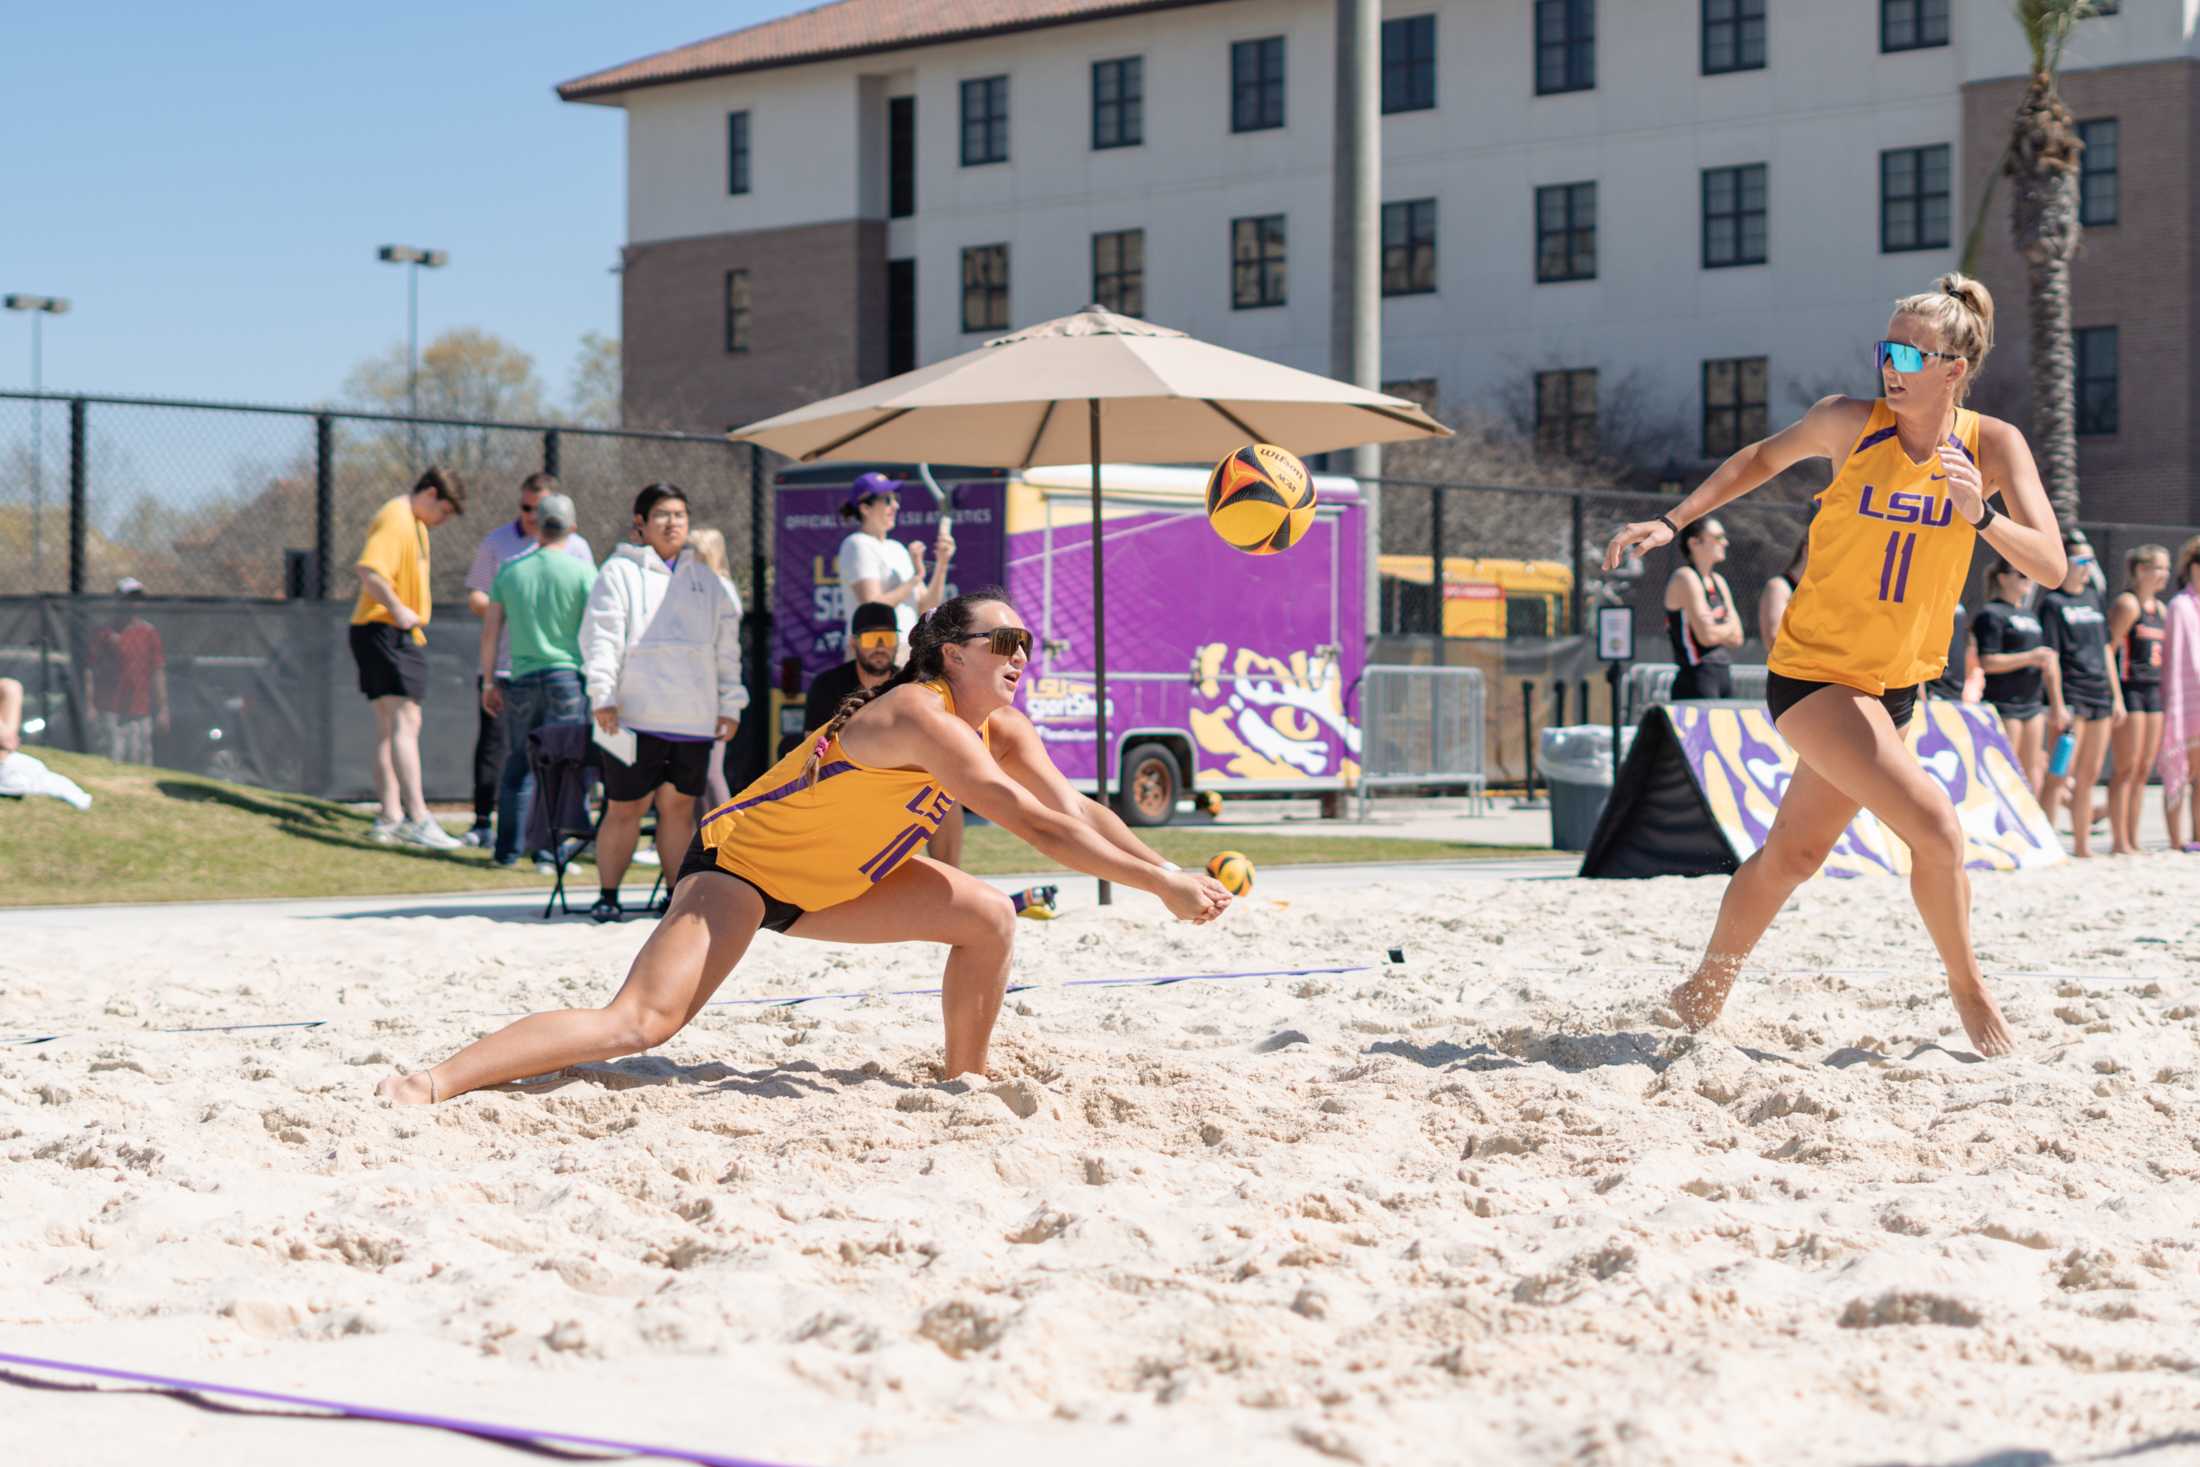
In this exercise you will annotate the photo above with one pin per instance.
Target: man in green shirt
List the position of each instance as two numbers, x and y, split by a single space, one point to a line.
541 597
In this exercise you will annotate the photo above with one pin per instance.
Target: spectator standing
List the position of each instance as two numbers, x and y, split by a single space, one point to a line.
2086 699
873 567
389 642
1961 679
2017 665
2135 632
1700 616
661 652
2179 758
536 604
504 543
711 546
126 686
1772 603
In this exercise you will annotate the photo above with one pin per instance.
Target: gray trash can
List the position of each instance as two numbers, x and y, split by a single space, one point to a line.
1577 764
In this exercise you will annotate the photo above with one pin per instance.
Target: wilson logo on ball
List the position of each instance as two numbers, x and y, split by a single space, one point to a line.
1260 499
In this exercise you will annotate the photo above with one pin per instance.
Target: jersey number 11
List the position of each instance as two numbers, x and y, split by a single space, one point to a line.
1894 571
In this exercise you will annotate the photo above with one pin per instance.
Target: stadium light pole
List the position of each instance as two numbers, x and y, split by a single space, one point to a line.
413 258
40 307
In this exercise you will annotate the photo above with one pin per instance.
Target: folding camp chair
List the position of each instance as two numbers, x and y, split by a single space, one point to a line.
567 760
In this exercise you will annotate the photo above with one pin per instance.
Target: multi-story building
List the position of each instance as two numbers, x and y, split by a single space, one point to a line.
1713 201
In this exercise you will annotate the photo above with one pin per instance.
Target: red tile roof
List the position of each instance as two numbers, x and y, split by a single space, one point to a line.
847 28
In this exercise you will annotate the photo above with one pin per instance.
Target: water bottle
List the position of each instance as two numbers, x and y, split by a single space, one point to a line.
2058 763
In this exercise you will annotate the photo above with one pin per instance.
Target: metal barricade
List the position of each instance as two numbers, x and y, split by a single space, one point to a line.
1651 683
1422 726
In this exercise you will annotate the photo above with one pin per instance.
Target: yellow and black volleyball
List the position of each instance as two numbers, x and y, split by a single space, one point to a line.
1233 871
1260 499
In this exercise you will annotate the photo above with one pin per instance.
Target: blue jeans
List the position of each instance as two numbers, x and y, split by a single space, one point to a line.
537 700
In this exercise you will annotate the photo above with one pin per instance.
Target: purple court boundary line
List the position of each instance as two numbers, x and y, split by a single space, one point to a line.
1162 981
460 1424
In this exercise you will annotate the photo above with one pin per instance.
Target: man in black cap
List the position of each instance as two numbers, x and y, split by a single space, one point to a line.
874 646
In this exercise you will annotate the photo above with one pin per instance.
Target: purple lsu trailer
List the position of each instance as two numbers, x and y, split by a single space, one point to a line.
1226 671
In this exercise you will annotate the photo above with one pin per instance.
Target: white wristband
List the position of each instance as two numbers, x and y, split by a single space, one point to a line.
1170 866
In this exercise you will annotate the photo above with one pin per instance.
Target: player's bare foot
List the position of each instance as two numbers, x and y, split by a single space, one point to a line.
407 1089
1982 1020
1702 998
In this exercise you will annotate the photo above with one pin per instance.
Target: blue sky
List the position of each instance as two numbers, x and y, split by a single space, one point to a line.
208 183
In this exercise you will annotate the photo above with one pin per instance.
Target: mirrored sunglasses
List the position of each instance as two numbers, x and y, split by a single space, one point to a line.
1905 358
879 641
1003 641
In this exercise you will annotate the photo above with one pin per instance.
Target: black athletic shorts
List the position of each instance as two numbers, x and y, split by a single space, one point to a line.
2020 710
1783 693
2086 711
391 663
2142 697
683 765
1704 680
778 915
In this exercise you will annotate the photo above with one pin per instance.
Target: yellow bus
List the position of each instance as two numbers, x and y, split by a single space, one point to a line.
1482 597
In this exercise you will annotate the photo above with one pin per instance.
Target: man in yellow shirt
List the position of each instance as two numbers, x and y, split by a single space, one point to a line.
389 643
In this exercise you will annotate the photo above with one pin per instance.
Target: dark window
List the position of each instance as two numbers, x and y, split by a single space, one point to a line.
985 121
1734 216
1409 64
1565 46
737 310
1566 232
2096 353
1256 84
2097 194
985 288
1733 404
1409 247
1119 102
1733 36
901 157
1256 262
1911 25
1913 199
1119 271
737 152
901 317
2105 7
1566 411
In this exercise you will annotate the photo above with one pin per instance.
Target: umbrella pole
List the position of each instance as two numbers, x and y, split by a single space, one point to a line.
1100 760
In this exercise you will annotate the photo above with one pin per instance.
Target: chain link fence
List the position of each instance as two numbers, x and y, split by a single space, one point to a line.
242 523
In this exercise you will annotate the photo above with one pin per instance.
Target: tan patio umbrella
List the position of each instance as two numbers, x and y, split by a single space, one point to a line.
1049 394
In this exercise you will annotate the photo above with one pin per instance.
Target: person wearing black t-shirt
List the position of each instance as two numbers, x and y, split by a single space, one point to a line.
2136 626
2087 699
2016 664
1955 675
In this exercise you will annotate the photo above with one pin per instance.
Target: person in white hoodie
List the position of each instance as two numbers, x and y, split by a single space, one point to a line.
661 654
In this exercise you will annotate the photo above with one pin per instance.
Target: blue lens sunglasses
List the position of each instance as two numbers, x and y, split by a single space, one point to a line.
1905 358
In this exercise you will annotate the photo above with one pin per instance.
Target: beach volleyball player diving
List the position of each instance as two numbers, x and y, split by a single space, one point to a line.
1917 477
828 845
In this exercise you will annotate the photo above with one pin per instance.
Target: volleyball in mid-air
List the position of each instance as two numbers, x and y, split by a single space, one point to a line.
1260 499
1233 871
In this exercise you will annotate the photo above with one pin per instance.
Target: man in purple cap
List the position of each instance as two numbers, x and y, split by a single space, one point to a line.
874 568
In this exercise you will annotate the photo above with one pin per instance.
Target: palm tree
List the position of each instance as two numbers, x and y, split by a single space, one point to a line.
2042 166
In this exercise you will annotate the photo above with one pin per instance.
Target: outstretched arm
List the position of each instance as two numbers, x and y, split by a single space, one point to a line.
935 740
1826 431
1017 746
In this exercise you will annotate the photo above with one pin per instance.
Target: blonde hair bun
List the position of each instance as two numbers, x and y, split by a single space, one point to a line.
1961 309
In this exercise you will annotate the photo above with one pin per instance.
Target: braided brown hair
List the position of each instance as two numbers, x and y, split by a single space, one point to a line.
928 641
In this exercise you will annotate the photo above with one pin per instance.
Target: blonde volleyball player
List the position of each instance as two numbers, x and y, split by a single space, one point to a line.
825 846
1890 547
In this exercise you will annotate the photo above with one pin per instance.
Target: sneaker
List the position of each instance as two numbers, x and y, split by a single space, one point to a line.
546 863
384 831
426 833
647 857
480 835
607 909
504 863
